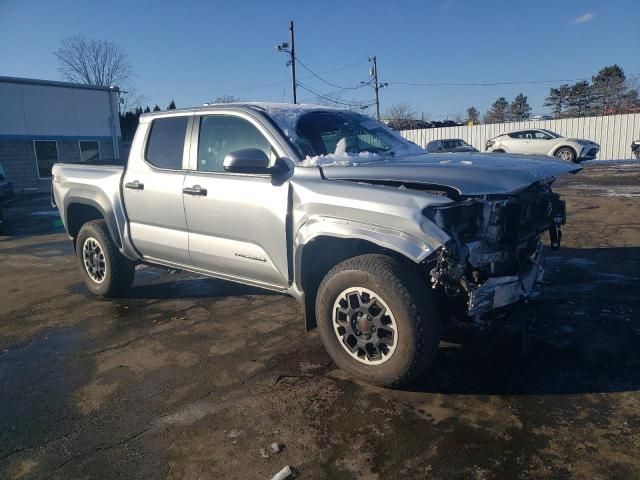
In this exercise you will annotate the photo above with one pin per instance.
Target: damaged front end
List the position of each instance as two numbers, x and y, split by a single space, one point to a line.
494 257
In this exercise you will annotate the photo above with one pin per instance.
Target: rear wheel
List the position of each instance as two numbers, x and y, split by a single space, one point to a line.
105 271
567 154
377 319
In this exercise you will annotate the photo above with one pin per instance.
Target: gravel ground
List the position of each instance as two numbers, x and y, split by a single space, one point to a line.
195 378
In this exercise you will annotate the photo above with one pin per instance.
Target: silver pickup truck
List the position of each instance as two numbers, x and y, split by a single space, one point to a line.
372 235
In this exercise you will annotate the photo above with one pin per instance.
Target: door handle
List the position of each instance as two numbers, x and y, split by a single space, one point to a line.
135 185
195 190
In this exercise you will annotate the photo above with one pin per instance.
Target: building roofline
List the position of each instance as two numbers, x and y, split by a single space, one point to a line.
53 83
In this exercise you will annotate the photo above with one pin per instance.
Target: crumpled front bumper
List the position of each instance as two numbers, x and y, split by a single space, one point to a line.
499 292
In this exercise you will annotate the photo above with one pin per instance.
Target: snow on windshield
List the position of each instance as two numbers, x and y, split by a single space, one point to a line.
328 136
339 157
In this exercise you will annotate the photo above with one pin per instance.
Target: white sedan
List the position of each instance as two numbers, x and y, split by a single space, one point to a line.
544 142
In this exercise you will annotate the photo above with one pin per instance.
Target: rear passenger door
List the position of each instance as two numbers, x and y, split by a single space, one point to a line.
520 142
237 221
152 189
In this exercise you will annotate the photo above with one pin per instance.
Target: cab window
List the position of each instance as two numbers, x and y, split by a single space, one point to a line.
166 142
223 134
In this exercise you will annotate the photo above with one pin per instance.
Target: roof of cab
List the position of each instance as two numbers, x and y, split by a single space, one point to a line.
258 106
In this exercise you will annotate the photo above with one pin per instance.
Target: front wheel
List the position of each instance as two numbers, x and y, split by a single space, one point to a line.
105 270
567 154
377 319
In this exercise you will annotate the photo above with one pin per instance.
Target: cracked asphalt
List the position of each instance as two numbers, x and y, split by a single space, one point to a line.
188 378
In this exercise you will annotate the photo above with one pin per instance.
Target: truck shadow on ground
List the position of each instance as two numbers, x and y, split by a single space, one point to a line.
584 339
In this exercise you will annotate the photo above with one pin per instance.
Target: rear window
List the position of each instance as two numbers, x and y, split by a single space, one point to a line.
166 142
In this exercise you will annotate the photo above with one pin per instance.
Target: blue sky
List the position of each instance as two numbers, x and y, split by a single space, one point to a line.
194 51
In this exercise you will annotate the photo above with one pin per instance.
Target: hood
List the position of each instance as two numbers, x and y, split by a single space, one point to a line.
468 173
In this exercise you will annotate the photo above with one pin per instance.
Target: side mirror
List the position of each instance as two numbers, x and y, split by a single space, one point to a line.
247 160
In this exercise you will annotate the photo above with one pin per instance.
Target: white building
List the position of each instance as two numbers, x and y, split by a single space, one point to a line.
43 122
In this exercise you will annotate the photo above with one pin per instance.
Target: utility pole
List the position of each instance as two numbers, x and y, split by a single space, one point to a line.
290 48
293 62
376 86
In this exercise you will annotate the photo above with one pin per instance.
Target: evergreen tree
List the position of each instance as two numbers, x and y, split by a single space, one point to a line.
581 99
499 111
519 109
473 115
172 105
147 110
156 108
558 99
609 90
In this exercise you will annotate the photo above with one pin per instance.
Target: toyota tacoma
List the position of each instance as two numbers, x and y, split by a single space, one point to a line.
375 238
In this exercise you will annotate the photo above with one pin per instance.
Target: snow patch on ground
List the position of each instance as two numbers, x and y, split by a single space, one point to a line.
607 191
631 161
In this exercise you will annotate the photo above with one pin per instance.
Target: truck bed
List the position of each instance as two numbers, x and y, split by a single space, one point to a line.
91 185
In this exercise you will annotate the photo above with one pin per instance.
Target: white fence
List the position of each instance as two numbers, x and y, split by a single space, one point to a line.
614 133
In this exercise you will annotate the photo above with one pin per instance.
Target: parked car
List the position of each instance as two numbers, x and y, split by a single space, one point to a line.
452 145
541 117
635 149
544 142
268 195
6 193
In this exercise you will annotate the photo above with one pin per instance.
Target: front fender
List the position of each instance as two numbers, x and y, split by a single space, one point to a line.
408 245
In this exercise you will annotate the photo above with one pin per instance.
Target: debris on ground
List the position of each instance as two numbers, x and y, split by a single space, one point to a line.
276 447
284 474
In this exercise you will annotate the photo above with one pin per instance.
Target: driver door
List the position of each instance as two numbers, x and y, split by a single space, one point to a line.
541 143
236 221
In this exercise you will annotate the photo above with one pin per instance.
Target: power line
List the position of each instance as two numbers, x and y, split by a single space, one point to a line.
277 84
332 99
494 84
323 80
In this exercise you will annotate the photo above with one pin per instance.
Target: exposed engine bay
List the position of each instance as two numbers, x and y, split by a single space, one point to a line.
494 258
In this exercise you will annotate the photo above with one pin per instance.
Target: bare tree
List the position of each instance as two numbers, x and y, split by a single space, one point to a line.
400 111
458 117
96 62
226 99
131 99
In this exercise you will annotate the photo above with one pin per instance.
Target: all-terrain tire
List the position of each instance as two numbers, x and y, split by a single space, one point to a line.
118 270
566 153
409 299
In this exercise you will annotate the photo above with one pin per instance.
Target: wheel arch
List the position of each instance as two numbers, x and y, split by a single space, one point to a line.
80 210
565 145
322 252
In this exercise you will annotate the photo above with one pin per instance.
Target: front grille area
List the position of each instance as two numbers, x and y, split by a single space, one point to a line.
592 153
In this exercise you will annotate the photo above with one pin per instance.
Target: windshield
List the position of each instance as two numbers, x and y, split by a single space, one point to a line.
457 143
347 136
